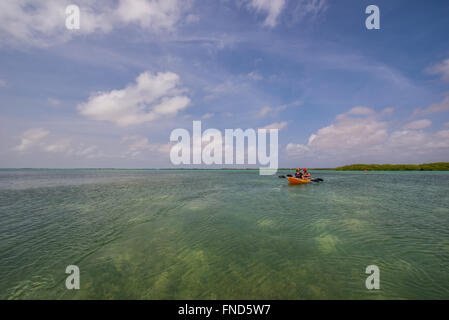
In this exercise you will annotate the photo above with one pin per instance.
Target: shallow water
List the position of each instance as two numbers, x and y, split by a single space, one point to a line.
223 235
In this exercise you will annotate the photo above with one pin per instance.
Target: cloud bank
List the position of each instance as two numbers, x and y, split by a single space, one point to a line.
361 134
42 22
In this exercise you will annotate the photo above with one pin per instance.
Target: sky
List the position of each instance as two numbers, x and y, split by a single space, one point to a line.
109 94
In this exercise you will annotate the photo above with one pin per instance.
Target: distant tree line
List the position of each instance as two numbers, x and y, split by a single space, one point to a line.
436 166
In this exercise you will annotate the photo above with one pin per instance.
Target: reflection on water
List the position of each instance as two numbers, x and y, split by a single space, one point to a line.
222 235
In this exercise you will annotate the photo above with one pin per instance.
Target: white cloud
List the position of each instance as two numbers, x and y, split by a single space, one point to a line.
410 143
151 97
42 22
440 69
271 110
309 8
387 111
153 15
273 8
69 148
30 138
418 124
276 125
264 111
84 151
298 150
357 111
87 151
58 146
438 107
361 111
267 110
2 83
41 140
137 144
368 138
207 116
254 76
348 134
442 106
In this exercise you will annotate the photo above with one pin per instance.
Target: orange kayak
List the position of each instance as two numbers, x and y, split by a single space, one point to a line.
297 181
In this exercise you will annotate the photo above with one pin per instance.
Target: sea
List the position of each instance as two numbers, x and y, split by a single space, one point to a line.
223 234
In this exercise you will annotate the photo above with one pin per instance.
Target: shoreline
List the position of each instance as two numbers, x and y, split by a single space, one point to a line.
204 170
434 166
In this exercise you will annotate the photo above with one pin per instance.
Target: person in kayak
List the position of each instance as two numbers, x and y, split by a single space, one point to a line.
306 174
298 174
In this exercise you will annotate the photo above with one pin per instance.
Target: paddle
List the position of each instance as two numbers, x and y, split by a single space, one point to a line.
313 180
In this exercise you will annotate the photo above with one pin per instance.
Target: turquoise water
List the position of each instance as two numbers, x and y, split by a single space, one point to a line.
223 235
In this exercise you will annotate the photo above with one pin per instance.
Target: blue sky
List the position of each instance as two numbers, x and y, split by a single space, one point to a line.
339 93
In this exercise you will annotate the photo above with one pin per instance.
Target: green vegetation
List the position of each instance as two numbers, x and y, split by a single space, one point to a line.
437 166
